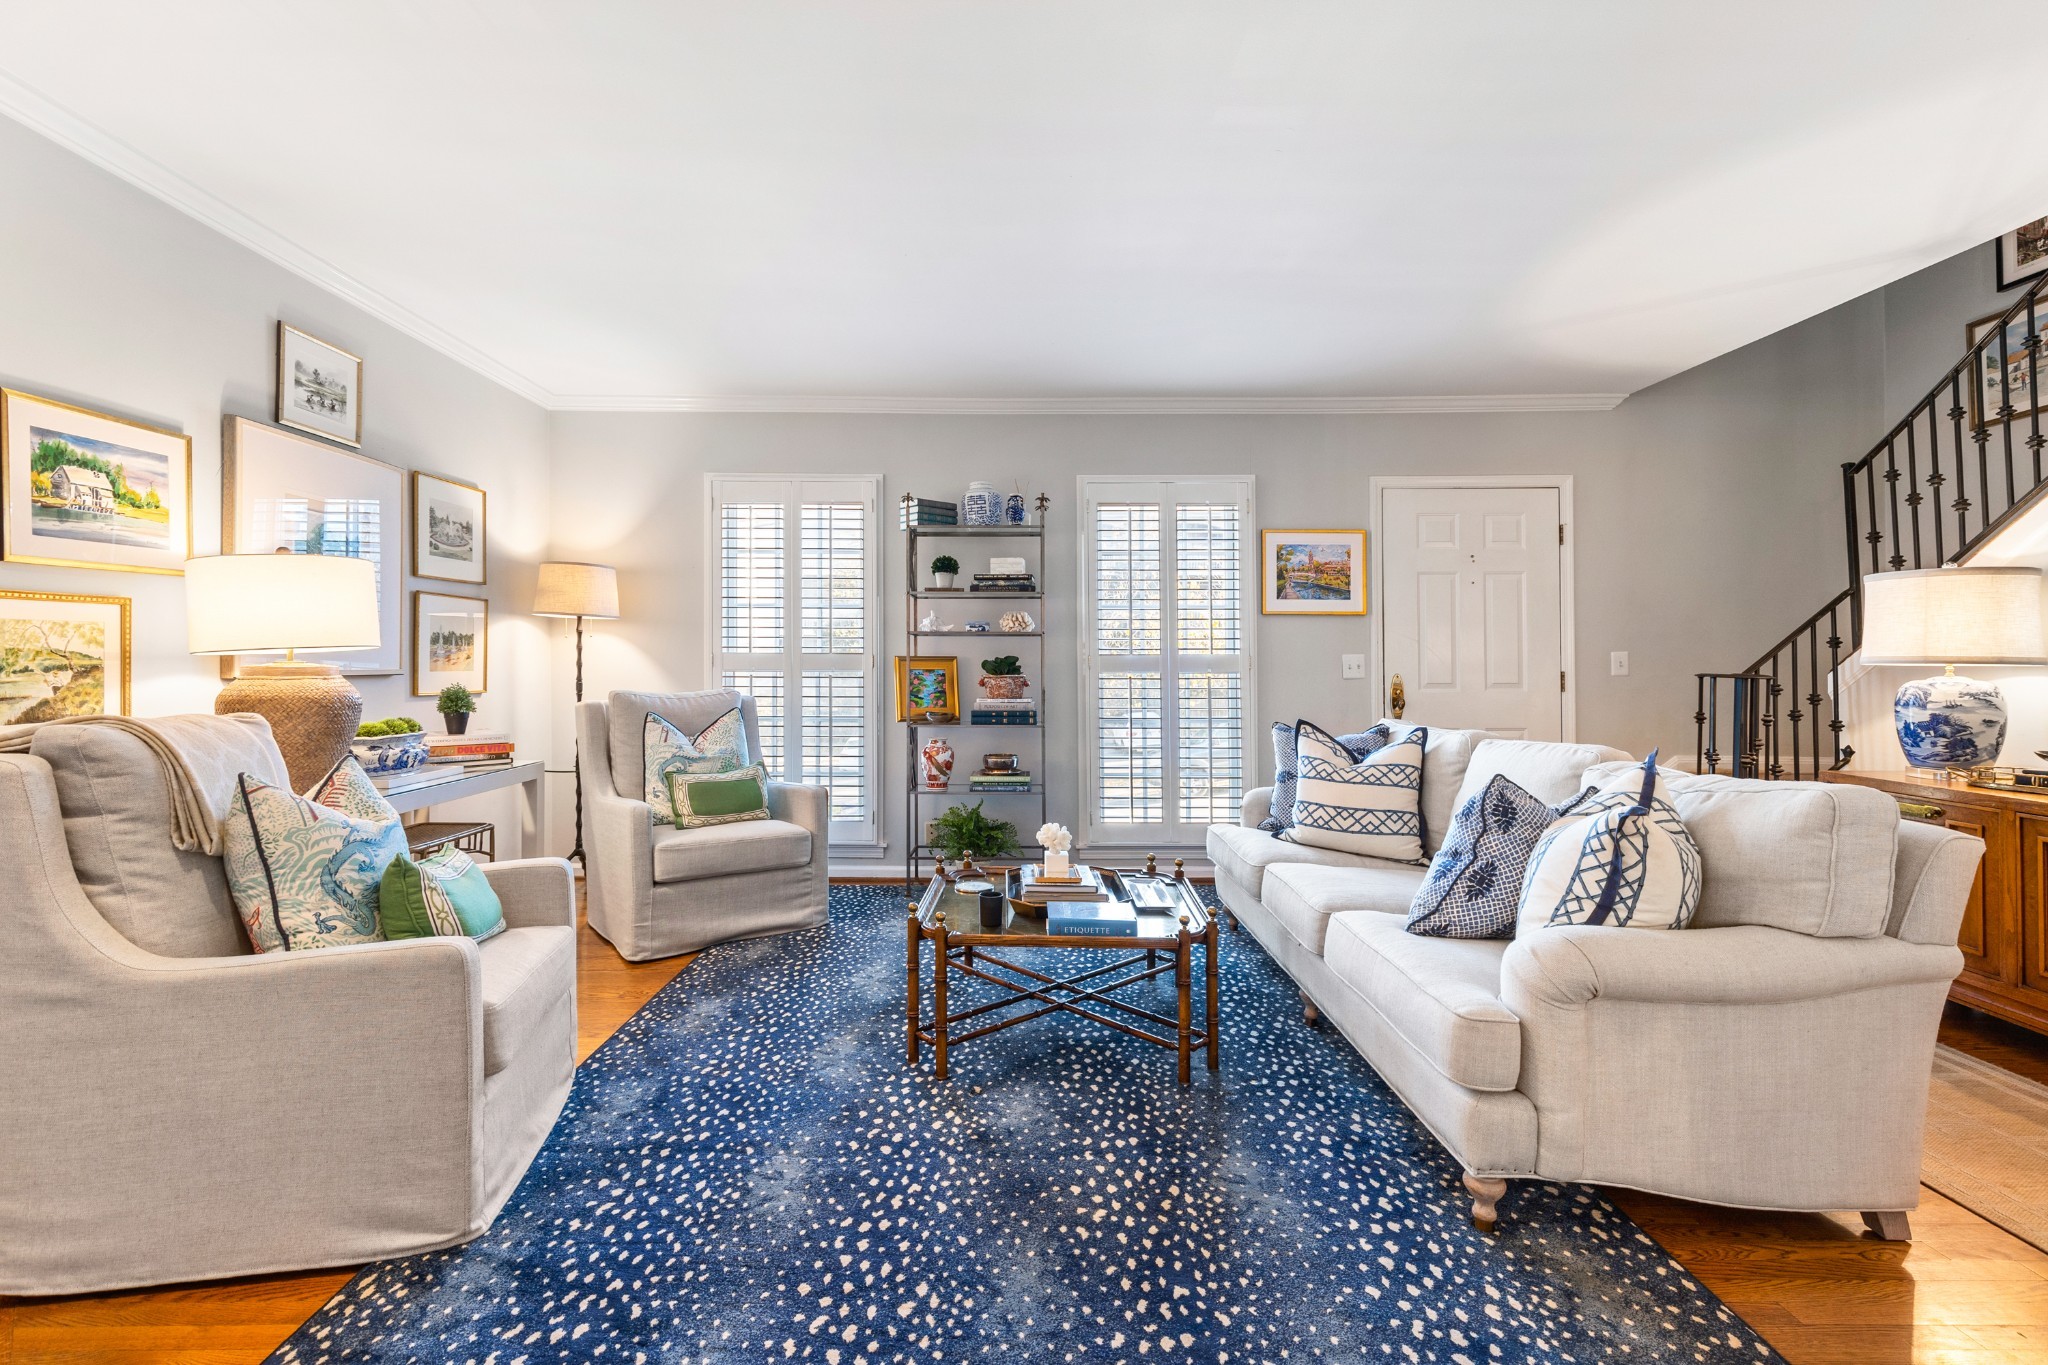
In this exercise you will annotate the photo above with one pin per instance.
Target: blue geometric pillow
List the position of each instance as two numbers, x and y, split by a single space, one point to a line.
1286 768
1475 881
1624 859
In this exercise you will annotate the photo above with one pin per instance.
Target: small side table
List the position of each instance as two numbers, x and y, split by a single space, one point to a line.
471 836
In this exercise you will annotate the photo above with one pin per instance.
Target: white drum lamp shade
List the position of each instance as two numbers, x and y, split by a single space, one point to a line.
267 604
1948 617
568 589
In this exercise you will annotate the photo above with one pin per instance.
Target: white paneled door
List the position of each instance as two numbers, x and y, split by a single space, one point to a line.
1471 584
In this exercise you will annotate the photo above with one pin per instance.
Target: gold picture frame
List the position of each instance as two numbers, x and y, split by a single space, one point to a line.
427 553
1312 572
107 445
17 700
466 659
919 670
306 394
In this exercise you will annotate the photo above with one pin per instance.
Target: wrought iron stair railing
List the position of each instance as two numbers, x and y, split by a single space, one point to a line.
1955 471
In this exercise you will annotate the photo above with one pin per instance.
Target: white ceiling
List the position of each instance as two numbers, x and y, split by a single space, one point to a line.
1020 203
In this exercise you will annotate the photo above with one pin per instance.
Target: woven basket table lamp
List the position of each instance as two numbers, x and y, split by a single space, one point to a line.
264 604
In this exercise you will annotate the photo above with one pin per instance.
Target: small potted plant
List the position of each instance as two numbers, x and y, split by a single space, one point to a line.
964 832
1003 677
943 569
455 705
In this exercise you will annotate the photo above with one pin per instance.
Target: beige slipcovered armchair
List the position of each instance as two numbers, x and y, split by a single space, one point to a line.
179 1108
654 890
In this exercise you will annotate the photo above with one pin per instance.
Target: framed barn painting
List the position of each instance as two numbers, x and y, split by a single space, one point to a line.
2022 253
63 655
451 642
319 387
1312 573
282 491
88 490
447 530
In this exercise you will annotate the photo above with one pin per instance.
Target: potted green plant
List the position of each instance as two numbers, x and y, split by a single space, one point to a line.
455 705
943 569
1003 677
964 832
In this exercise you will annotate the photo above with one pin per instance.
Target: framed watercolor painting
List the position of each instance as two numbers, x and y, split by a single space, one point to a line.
1312 573
2022 253
927 686
448 539
450 642
88 490
283 491
1988 392
319 387
63 655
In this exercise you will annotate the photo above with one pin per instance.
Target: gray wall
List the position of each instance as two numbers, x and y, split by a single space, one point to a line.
114 301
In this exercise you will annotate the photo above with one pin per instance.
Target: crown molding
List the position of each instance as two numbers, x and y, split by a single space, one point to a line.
1192 405
34 110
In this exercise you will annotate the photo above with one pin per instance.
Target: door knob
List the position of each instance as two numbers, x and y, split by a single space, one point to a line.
1397 697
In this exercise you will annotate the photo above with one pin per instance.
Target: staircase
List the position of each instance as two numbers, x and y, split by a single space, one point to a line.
1961 466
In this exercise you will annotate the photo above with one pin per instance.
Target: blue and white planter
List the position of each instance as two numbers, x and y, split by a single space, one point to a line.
383 755
982 506
1950 722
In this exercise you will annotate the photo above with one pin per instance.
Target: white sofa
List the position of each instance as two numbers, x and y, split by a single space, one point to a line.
1774 1055
179 1108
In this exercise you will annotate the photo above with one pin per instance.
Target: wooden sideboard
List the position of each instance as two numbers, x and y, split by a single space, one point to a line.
2004 937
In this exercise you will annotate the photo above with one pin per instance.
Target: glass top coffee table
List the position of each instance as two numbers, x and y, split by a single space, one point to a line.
1172 925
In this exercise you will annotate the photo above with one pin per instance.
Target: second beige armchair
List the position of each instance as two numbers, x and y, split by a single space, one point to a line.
655 891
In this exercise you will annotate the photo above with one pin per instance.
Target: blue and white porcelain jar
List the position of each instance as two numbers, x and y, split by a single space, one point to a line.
1013 509
1950 722
982 506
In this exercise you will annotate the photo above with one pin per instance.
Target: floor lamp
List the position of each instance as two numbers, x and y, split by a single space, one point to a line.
578 590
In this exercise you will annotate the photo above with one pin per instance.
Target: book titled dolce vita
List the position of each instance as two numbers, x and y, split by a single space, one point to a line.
1084 920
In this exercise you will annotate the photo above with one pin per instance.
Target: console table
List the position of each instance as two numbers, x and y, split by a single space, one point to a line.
458 784
2004 936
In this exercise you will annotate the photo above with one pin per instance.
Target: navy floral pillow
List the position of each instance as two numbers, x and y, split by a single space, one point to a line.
1286 769
1474 886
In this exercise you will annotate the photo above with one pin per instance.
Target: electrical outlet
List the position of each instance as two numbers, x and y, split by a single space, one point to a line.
1617 663
1354 665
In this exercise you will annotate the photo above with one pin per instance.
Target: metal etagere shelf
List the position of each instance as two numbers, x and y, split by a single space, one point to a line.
924 803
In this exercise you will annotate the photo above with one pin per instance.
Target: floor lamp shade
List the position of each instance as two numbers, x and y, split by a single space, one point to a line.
1948 617
568 589
266 604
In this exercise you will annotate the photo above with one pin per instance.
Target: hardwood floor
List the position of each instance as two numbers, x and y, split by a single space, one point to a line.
1963 1293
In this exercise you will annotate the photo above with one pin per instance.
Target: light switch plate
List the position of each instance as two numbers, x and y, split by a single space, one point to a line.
1354 665
1617 663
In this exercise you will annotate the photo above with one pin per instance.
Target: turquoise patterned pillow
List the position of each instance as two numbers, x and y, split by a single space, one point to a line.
304 876
348 789
719 747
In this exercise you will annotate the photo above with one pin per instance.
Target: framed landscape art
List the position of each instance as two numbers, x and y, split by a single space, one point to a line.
2022 253
927 686
63 655
319 387
1987 391
289 492
1312 573
88 490
450 642
448 539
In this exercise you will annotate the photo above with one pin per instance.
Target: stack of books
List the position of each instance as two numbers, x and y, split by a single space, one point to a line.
471 753
1083 883
411 777
1004 711
926 512
1113 920
1004 582
1008 781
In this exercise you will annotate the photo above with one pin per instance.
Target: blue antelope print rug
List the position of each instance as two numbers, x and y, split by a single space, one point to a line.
749 1171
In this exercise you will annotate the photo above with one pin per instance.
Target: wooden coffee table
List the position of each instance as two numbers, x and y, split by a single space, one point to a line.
1166 942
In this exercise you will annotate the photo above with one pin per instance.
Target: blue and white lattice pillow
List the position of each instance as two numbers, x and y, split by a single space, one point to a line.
1475 881
303 876
1281 816
1369 806
720 747
1624 858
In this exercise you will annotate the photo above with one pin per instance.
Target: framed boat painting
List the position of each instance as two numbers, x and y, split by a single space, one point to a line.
63 655
282 491
319 387
451 642
448 540
88 490
1312 573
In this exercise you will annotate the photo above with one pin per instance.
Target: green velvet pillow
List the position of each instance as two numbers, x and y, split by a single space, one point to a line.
701 799
444 893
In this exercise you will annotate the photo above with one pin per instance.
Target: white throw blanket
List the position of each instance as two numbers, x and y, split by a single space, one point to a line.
200 756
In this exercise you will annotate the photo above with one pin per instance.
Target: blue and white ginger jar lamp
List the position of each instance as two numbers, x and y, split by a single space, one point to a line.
1952 616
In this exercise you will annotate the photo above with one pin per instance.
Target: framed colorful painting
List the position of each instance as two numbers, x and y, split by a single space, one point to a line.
451 643
282 491
62 655
927 687
319 387
1312 573
88 490
447 530
2004 374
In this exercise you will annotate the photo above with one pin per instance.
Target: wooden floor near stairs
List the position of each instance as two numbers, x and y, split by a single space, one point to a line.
1963 1293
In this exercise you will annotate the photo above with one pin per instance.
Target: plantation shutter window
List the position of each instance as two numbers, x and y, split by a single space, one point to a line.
1166 658
794 594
